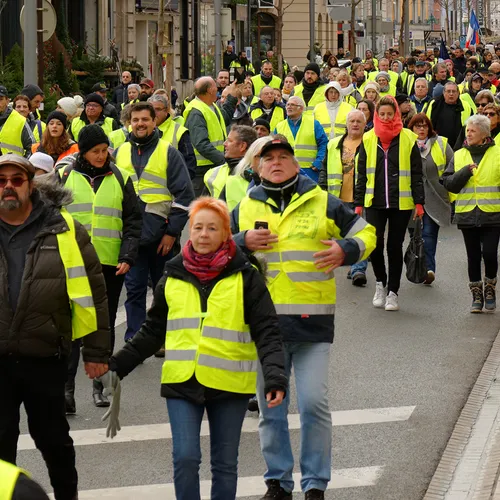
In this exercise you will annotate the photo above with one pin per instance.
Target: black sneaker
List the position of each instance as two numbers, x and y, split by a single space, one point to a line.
253 404
314 495
359 279
275 491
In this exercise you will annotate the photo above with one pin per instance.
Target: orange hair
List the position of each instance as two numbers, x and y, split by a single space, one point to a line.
209 203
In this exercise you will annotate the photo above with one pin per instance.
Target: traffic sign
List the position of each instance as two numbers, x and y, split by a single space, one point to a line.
49 19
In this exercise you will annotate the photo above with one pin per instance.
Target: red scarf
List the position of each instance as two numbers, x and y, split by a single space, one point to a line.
209 266
386 131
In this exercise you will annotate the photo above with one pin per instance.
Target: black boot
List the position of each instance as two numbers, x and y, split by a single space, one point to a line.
100 400
69 397
275 491
490 297
476 287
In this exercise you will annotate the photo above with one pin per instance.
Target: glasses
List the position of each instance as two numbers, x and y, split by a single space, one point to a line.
421 125
489 115
92 105
15 181
482 104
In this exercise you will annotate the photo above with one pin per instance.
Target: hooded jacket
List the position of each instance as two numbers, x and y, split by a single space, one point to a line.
259 313
40 325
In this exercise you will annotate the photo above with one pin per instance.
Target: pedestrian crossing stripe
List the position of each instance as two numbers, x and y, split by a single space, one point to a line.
151 432
247 486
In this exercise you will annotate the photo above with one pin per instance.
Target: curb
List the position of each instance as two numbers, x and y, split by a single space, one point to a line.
469 466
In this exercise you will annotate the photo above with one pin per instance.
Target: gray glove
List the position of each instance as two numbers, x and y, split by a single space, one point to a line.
112 387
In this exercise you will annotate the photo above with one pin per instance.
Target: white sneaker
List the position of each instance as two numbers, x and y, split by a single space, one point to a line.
380 295
391 302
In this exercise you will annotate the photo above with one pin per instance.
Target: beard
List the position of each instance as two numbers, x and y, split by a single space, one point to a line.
9 205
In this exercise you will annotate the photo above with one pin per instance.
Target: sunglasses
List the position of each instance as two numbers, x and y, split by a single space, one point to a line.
15 181
489 115
482 104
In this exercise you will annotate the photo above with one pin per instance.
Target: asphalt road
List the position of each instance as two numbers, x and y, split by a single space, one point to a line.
420 362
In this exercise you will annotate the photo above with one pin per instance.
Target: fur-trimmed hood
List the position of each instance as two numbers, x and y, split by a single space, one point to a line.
51 191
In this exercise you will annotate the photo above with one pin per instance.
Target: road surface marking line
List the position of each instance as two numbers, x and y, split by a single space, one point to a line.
247 486
134 433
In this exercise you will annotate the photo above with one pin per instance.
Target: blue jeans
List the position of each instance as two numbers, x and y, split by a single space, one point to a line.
148 263
225 419
430 232
359 267
310 362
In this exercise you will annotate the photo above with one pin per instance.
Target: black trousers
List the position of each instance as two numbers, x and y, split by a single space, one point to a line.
39 385
114 285
481 243
398 222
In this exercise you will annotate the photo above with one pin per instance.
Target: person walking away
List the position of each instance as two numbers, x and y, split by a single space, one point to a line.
436 153
389 186
105 203
164 190
53 291
203 369
337 175
207 126
317 233
474 176
56 141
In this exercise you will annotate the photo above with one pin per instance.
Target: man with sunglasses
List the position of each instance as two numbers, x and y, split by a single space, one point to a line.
51 291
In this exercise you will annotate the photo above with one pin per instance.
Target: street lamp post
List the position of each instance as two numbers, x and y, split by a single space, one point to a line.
312 23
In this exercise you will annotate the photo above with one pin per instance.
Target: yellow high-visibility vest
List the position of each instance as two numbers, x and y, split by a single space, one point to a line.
334 170
83 313
216 128
296 285
216 346
172 131
483 188
218 178
278 115
151 187
339 128
407 140
11 134
304 144
77 124
259 83
9 474
466 112
317 98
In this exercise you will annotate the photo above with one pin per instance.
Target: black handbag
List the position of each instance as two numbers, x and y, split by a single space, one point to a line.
416 267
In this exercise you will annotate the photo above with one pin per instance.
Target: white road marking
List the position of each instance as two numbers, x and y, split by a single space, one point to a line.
134 433
247 486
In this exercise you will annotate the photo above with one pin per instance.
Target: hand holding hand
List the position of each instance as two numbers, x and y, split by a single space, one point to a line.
419 211
260 239
94 370
331 258
166 244
359 211
274 398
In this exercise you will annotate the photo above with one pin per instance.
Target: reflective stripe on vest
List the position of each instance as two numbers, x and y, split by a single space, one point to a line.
483 187
215 179
406 142
317 98
304 144
9 474
83 313
11 134
334 169
172 131
216 345
151 187
295 284
259 83
278 115
323 117
100 213
216 128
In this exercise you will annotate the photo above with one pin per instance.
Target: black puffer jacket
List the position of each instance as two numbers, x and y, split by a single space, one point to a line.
386 193
260 315
41 324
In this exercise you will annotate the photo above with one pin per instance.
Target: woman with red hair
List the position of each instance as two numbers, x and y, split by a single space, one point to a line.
389 187
215 315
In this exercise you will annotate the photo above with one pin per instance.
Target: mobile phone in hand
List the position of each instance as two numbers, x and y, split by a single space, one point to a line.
261 225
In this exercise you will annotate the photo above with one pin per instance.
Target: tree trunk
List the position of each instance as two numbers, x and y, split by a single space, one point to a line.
352 31
447 21
402 48
279 37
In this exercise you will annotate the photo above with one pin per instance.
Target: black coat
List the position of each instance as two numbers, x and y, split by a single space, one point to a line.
379 198
260 315
40 326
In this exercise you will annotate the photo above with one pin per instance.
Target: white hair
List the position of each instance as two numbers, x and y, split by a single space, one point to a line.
254 149
298 100
354 112
481 122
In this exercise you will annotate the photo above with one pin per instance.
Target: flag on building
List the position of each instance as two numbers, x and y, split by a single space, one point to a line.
443 51
473 31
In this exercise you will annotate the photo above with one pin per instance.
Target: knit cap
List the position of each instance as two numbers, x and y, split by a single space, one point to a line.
372 85
31 90
42 161
58 115
383 74
313 67
68 104
94 98
90 137
263 123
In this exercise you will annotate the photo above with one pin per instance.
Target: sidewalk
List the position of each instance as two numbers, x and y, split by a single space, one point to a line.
470 465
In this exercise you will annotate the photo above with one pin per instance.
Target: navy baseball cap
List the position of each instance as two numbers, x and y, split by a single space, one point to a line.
277 144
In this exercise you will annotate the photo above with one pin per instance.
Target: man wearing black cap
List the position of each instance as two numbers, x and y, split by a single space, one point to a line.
311 90
419 73
262 127
52 291
486 85
109 110
15 133
93 113
302 217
